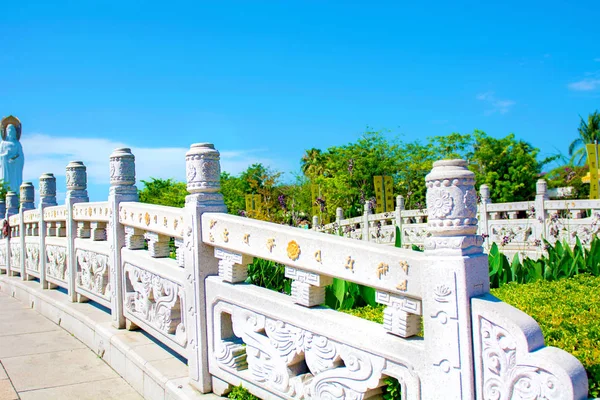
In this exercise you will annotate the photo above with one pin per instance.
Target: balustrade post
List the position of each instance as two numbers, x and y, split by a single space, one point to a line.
541 214
482 214
76 193
47 199
400 205
12 208
365 223
27 200
339 216
3 215
122 188
315 222
457 271
203 183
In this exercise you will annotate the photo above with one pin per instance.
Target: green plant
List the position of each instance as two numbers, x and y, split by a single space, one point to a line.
241 393
270 275
560 262
568 312
393 389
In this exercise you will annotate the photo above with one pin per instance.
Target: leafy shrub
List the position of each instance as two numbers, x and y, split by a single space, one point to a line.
269 274
240 393
568 312
560 262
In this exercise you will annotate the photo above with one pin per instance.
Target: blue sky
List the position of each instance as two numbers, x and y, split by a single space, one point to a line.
265 80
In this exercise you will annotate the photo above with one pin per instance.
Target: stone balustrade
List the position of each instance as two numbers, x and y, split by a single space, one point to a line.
518 227
179 275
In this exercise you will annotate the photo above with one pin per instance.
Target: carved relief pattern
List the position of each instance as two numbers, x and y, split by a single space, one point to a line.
15 256
504 378
3 255
278 353
439 203
511 233
93 273
76 178
156 301
32 257
56 263
203 169
122 170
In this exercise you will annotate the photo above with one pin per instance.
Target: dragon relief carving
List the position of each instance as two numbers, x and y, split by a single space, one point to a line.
504 378
56 262
32 257
93 273
156 301
297 363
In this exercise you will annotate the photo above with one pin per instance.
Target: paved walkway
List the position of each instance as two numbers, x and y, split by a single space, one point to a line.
40 360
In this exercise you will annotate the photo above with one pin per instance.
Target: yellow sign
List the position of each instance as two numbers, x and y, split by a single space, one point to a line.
253 202
592 156
384 193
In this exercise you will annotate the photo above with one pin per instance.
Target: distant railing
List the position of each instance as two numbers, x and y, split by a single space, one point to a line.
518 227
179 274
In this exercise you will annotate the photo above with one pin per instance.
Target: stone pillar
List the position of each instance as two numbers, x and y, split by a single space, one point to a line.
457 271
47 199
399 208
315 222
76 193
203 183
4 240
365 223
12 208
482 213
27 199
541 195
122 188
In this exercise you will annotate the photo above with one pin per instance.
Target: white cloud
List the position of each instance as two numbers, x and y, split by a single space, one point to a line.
46 153
496 105
585 85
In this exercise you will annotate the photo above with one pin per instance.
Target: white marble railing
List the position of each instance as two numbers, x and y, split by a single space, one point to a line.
179 275
519 227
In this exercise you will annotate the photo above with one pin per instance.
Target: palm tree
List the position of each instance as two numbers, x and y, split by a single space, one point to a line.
313 163
589 132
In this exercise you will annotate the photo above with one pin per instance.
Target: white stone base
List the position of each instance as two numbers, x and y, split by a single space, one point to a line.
149 369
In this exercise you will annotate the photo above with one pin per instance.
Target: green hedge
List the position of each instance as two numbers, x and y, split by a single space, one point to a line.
568 311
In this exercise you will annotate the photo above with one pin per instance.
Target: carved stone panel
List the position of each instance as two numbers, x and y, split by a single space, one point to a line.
3 254
93 273
56 262
156 301
294 363
15 256
32 260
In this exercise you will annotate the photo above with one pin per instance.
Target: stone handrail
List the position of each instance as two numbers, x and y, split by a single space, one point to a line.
119 254
518 227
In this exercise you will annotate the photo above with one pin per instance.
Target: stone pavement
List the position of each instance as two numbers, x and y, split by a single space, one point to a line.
40 360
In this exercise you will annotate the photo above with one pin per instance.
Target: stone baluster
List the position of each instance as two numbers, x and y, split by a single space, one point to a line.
27 200
308 289
203 173
365 222
179 256
158 245
541 214
12 208
512 214
98 230
83 229
122 188
339 216
400 206
4 268
482 212
457 271
47 190
233 267
76 193
134 238
315 222
402 315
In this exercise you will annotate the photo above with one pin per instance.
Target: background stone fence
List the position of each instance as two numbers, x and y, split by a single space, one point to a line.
518 227
178 274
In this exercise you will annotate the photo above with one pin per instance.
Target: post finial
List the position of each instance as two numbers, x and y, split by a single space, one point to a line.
203 168
122 167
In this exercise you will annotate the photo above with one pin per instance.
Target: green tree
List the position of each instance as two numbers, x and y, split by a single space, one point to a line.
589 132
166 192
509 166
